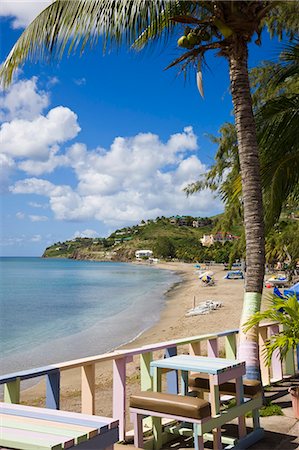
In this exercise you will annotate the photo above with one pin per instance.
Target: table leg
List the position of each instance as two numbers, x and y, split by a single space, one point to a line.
215 407
198 440
184 382
240 400
157 423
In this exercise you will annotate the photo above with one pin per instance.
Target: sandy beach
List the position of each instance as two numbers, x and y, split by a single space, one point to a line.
173 324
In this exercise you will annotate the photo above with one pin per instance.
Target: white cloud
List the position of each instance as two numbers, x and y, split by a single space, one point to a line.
7 166
23 100
35 218
36 138
36 238
86 233
37 205
22 11
20 215
138 177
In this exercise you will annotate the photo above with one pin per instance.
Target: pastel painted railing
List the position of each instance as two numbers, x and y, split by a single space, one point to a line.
120 358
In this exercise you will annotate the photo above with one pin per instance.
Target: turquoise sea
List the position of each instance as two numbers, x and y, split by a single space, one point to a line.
54 310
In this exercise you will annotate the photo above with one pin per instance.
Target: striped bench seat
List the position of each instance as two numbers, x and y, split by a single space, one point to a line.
31 428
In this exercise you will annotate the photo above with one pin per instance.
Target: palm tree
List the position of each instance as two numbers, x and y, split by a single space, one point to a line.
224 26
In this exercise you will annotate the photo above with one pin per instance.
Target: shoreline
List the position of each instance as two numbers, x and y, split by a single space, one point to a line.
172 324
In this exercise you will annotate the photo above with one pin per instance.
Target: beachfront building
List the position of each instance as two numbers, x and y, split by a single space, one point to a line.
140 254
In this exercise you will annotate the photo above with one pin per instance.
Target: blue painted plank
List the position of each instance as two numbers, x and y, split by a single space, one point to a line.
172 377
27 374
53 390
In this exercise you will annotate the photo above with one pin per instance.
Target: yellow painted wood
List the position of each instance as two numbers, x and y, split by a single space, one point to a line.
194 348
12 391
88 389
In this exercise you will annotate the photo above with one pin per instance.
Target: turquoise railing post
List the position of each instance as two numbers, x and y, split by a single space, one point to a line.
12 391
172 376
53 390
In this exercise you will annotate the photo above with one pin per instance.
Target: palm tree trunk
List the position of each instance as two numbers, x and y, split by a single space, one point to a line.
252 201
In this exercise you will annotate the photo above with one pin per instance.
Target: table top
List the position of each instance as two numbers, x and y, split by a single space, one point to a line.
44 429
203 364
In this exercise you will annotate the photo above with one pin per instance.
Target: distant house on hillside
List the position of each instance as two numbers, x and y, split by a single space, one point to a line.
209 239
143 254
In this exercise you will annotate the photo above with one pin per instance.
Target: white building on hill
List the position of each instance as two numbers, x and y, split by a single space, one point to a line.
143 254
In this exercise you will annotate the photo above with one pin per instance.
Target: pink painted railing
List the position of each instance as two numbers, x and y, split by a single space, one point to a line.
224 342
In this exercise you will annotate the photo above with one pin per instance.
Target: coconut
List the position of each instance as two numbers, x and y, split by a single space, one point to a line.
193 39
183 42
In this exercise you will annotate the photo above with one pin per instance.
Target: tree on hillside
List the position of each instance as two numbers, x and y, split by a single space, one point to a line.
224 26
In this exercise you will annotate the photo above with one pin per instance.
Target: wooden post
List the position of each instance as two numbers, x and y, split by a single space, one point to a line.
265 372
157 422
212 348
12 391
53 390
172 376
215 409
230 346
146 381
88 389
240 400
194 348
276 361
119 395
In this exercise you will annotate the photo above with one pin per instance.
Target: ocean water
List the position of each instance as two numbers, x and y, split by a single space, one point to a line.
54 310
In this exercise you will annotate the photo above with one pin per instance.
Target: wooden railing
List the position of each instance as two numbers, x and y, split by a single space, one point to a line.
210 344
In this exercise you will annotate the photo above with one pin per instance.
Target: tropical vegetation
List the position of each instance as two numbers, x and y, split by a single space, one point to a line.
286 313
224 26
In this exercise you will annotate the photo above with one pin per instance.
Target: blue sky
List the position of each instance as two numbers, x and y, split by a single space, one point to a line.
90 144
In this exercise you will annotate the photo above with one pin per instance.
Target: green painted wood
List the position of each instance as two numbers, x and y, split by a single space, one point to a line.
146 381
157 432
48 427
25 440
145 375
290 363
230 414
12 391
230 346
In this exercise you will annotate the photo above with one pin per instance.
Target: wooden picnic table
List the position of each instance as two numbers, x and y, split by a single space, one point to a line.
31 428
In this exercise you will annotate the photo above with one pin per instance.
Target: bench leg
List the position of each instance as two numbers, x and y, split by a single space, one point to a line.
138 430
157 432
198 440
256 419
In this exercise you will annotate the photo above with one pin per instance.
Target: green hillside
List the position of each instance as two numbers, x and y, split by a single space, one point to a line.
177 237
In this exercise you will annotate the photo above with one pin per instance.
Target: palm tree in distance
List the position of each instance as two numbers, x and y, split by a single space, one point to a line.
224 26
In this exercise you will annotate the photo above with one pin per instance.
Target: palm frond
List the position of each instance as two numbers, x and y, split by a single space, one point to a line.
72 24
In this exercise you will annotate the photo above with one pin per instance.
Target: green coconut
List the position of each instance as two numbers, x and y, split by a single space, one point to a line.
193 39
183 42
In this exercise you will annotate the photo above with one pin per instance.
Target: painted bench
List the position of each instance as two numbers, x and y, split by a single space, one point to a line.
31 428
170 406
